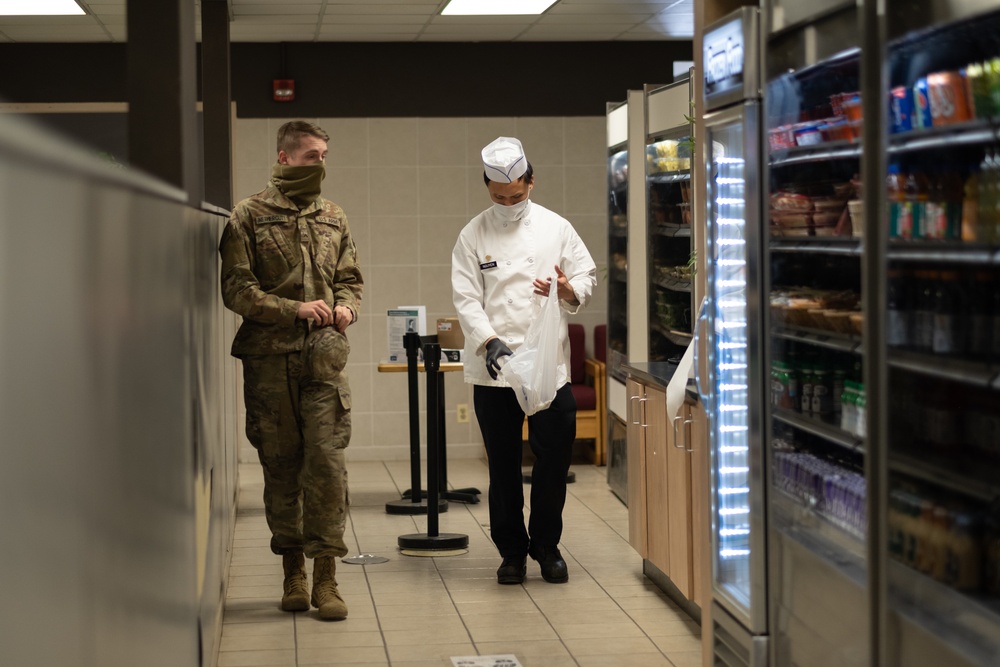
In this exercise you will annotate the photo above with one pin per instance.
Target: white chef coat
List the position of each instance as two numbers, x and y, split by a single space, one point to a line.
493 266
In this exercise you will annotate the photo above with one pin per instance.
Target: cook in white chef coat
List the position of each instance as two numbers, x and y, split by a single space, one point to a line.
502 265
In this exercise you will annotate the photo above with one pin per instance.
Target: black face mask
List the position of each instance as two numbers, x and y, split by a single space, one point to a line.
301 183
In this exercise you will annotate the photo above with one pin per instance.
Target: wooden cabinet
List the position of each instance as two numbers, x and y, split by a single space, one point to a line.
661 498
635 394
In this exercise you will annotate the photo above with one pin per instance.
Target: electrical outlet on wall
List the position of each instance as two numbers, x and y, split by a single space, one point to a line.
462 416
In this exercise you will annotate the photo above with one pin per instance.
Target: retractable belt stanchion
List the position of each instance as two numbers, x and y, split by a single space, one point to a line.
432 540
417 503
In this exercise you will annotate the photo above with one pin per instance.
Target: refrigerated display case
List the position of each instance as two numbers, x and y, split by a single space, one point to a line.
617 275
668 219
618 228
815 423
940 278
731 320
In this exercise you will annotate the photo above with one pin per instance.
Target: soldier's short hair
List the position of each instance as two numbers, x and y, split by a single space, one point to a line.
291 133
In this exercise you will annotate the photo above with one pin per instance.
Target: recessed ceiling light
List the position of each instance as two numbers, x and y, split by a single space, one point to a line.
495 7
40 8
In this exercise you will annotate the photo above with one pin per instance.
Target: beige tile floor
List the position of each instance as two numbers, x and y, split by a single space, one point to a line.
422 611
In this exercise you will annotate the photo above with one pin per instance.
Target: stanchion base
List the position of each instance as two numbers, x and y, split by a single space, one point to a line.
425 542
526 476
467 495
412 508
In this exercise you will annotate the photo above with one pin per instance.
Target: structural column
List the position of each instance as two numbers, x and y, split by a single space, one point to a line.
216 107
162 120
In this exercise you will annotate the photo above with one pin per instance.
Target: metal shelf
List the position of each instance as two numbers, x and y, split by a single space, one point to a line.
974 373
671 230
670 177
673 284
819 534
945 472
822 245
820 429
964 621
943 252
832 150
969 133
674 336
828 339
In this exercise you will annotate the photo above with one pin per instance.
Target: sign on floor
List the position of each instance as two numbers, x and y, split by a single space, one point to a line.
508 660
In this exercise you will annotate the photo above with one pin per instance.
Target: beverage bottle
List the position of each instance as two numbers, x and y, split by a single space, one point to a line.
987 192
923 311
900 218
899 310
917 191
971 230
980 324
953 192
935 218
948 335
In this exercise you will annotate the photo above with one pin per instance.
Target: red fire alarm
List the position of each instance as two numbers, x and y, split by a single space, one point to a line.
284 90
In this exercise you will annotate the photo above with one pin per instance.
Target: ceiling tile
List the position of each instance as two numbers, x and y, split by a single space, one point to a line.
275 10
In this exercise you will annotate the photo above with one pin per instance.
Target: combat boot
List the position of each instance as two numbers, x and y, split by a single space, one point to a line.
325 595
296 586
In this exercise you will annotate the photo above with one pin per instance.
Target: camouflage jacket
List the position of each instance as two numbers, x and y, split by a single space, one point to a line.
276 257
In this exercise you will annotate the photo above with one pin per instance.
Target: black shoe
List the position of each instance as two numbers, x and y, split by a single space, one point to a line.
512 570
552 564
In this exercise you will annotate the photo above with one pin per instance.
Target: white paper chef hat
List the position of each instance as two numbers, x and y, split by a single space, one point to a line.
504 160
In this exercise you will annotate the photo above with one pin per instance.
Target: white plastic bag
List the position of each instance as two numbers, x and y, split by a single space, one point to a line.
531 371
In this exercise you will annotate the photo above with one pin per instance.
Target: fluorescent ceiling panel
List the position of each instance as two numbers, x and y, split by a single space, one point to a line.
40 8
495 7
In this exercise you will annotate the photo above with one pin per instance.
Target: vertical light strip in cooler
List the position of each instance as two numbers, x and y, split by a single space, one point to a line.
733 500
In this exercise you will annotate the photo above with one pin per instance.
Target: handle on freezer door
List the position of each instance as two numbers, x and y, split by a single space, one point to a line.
676 436
702 318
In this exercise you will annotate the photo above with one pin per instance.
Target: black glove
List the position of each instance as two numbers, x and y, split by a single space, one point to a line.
494 350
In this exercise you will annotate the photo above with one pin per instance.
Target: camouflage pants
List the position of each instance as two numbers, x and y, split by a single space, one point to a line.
299 421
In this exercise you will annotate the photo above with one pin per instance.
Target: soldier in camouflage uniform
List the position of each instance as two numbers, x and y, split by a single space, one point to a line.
290 269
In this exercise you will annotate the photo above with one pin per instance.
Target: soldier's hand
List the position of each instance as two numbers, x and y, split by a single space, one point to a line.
343 317
317 311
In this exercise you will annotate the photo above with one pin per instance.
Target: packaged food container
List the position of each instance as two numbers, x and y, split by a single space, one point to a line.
852 108
857 211
808 135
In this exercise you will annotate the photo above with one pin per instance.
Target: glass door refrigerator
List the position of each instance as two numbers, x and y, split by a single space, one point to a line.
815 425
730 318
617 277
938 231
670 251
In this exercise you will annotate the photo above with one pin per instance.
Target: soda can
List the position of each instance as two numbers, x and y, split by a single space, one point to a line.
901 109
948 98
922 118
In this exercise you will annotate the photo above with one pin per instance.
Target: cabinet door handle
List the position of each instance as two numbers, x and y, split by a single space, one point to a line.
688 426
635 422
676 436
642 412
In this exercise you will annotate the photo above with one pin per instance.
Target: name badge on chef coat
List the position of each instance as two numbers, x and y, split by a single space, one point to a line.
488 265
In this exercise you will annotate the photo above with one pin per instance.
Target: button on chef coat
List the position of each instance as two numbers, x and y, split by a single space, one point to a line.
493 266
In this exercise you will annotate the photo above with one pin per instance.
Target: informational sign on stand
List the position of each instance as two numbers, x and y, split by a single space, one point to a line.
509 660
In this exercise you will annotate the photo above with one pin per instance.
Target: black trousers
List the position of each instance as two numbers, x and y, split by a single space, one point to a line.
551 435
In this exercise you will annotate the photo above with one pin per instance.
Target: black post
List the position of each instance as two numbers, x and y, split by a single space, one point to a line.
432 367
411 341
417 503
432 541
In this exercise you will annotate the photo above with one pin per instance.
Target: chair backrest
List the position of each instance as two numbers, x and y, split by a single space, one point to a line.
577 353
601 343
